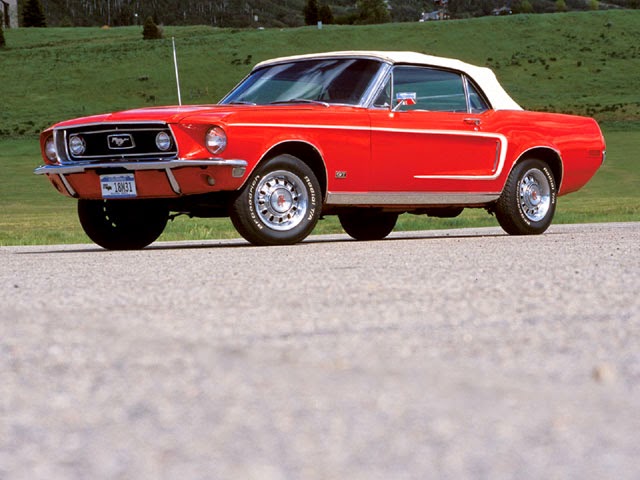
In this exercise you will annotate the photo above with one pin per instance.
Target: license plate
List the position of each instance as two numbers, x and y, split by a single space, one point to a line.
118 186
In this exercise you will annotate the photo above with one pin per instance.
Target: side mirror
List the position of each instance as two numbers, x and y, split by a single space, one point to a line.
405 98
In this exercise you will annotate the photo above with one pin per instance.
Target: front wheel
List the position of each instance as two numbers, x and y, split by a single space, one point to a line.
280 203
123 224
368 225
528 201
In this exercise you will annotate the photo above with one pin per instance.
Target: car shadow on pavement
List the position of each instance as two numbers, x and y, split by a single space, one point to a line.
241 243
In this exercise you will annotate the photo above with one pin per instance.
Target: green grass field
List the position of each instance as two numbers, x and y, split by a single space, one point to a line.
584 63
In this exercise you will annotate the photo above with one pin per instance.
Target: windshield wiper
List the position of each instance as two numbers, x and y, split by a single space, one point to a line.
240 102
299 100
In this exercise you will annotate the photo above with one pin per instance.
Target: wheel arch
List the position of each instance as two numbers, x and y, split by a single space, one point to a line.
307 153
550 156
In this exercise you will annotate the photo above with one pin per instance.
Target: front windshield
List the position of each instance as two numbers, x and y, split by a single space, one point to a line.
342 80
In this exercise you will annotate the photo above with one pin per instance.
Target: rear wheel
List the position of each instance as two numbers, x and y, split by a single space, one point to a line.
280 203
123 224
368 225
528 201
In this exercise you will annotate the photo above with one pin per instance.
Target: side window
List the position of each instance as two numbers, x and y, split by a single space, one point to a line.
436 90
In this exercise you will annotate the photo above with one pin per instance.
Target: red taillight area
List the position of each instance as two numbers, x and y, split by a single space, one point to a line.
579 169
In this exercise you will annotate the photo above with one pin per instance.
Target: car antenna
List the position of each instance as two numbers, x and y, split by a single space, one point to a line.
175 64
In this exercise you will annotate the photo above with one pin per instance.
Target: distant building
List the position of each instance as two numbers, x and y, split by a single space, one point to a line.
502 11
9 11
426 16
442 13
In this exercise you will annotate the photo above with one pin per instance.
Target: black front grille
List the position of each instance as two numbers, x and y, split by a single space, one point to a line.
127 141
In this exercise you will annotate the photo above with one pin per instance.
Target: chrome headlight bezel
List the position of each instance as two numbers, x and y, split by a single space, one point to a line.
163 141
215 140
77 145
50 150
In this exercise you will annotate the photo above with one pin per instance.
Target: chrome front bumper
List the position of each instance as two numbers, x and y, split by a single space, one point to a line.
238 168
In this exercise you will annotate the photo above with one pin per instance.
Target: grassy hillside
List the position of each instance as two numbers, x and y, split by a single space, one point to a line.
585 63
577 62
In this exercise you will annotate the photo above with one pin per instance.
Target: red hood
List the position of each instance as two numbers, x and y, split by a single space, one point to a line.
168 114
196 113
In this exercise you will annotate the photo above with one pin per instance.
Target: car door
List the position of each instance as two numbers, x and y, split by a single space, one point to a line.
436 140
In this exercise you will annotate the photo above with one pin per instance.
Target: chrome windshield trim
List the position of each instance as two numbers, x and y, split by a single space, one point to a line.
376 85
363 101
80 167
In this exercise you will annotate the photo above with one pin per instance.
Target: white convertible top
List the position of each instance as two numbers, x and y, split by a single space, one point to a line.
482 76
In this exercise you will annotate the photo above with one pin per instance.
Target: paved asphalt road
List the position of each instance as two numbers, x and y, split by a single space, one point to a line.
454 354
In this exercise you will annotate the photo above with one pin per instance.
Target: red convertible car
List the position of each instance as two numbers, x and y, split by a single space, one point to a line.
362 135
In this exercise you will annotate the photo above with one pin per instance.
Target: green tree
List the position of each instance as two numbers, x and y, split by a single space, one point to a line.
311 12
523 7
325 15
409 10
561 6
2 42
373 11
33 15
594 4
151 31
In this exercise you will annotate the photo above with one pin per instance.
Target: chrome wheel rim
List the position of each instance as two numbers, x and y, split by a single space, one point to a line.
535 195
281 200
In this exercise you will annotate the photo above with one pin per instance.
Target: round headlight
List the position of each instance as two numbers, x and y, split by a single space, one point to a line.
163 141
77 145
50 150
216 140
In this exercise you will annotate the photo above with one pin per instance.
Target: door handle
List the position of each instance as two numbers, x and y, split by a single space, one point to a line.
473 121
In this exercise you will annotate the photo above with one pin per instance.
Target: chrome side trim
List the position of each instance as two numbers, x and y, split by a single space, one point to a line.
410 198
80 167
268 150
175 186
302 125
522 154
496 161
68 186
501 139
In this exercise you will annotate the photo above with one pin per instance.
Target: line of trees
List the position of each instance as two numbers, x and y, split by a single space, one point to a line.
33 14
221 13
314 12
275 13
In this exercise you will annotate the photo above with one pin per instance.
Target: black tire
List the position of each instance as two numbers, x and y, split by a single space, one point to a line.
280 204
528 201
367 225
123 224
